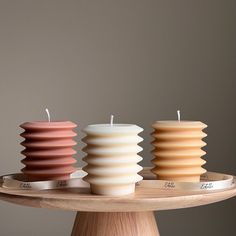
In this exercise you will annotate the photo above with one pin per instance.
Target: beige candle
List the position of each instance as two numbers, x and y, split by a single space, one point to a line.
178 150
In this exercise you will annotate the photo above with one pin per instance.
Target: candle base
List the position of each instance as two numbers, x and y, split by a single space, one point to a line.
113 190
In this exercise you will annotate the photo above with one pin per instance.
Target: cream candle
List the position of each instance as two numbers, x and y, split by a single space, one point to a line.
178 150
48 149
112 157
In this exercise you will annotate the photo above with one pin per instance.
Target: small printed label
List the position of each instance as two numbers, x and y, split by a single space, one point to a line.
169 185
62 183
25 185
207 186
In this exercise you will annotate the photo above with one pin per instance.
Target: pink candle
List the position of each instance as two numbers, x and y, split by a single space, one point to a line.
48 150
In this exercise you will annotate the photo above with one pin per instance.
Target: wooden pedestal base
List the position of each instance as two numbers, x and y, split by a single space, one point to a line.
124 216
115 224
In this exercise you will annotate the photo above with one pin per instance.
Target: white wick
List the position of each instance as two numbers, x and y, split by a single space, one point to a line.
48 114
111 121
178 114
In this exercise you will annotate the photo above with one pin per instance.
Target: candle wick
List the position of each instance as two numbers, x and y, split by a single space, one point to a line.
178 114
111 121
48 114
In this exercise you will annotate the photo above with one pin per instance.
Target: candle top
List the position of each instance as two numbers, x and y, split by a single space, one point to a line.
48 125
103 129
179 124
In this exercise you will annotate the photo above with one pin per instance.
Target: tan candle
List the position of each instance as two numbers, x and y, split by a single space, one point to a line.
178 150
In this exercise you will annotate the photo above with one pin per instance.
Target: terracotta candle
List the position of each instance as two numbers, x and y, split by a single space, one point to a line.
178 150
112 158
48 149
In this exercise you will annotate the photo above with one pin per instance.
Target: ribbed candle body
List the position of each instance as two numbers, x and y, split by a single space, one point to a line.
112 158
48 150
178 150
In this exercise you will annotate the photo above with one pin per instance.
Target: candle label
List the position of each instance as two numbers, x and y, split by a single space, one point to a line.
170 185
207 186
209 182
13 182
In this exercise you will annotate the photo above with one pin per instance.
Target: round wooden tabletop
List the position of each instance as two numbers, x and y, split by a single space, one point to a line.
144 199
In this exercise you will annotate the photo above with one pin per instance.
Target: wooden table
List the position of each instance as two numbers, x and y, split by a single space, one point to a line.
131 215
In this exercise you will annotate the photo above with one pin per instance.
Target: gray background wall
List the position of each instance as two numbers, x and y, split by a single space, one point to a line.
139 60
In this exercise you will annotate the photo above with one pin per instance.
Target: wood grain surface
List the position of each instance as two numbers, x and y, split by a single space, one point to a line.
115 224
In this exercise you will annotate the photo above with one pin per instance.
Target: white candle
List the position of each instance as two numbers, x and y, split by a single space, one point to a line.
112 158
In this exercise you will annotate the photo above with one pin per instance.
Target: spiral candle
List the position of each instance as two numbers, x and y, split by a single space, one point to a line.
112 158
178 150
48 150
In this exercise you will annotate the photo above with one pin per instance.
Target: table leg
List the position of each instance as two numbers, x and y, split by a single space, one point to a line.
115 224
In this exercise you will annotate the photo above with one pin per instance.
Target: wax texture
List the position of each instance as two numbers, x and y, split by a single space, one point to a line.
112 157
48 150
178 150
